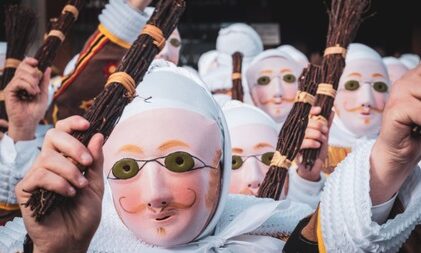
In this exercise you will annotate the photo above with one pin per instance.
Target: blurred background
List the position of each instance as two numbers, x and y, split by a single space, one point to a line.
392 28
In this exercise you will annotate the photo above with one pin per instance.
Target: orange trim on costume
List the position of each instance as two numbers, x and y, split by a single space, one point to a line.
113 38
8 207
320 242
94 45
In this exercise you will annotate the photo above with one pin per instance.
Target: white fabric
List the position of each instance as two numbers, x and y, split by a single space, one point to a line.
390 60
166 86
240 114
122 20
243 227
221 99
296 54
15 160
410 60
358 51
239 37
304 191
346 215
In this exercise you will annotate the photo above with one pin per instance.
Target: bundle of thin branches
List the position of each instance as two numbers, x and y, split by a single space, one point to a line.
291 135
237 84
120 89
19 28
48 51
345 18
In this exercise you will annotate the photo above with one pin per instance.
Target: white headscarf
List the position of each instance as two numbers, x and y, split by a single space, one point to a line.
296 54
410 60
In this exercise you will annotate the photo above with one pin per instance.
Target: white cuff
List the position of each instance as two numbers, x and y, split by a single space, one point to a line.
381 212
15 160
122 20
304 191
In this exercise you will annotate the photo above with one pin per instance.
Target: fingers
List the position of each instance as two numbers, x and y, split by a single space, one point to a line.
58 164
31 61
4 123
95 174
63 142
73 123
318 125
315 110
44 179
315 135
310 144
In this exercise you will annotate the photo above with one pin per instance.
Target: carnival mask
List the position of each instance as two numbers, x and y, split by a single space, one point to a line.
163 168
171 51
251 156
362 95
274 84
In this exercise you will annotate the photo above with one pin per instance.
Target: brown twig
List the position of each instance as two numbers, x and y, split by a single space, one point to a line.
291 135
48 51
19 24
345 18
110 103
237 84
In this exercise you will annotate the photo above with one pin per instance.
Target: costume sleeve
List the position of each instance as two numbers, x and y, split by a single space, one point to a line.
15 160
304 191
347 223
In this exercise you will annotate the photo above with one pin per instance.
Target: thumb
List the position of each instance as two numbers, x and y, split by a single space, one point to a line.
94 175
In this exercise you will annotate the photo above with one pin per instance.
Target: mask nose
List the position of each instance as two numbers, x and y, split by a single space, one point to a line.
253 176
365 95
276 87
156 193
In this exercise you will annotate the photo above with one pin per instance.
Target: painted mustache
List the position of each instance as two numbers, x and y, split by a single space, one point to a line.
364 109
247 191
171 206
274 100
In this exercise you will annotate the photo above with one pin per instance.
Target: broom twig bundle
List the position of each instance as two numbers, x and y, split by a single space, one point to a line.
19 28
291 135
119 90
48 51
237 83
345 18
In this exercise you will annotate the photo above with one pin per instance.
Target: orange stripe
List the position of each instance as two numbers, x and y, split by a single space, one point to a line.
320 242
113 38
83 60
8 207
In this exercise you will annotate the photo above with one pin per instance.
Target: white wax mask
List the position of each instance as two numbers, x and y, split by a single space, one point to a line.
273 85
362 95
251 156
165 181
171 51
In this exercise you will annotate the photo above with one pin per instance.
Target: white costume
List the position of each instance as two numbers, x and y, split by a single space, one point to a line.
410 60
239 224
349 222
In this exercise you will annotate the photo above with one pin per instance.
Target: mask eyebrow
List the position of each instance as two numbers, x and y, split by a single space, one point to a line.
171 144
377 75
130 148
263 145
237 150
285 70
355 74
265 72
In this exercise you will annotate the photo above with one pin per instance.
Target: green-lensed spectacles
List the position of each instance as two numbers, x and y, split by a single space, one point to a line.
178 162
238 161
